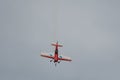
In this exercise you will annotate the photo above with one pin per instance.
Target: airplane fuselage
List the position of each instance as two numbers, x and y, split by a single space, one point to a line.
56 54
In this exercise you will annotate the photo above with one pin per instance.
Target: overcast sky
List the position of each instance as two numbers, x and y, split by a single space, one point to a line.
88 29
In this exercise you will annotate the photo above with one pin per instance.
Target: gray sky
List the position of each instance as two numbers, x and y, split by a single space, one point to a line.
88 29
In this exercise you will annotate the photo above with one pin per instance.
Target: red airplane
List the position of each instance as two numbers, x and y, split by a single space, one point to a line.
56 58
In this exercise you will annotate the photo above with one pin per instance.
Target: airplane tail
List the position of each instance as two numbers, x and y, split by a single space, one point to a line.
53 44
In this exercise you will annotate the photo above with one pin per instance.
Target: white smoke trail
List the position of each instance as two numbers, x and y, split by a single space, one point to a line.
55 14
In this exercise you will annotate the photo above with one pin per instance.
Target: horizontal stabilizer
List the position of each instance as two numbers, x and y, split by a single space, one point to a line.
58 45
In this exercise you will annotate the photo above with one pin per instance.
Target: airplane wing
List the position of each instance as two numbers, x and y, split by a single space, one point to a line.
47 55
64 58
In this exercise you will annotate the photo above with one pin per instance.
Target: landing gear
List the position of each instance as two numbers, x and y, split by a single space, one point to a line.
58 61
51 60
55 64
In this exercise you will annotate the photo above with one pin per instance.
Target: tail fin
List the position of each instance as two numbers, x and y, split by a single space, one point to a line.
53 44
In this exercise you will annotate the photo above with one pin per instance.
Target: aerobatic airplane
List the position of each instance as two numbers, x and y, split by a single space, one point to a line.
56 58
